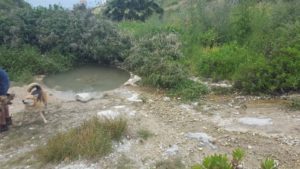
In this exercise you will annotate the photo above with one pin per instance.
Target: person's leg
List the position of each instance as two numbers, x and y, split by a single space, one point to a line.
3 125
7 117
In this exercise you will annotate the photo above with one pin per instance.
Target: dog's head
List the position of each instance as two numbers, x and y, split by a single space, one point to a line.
30 100
6 100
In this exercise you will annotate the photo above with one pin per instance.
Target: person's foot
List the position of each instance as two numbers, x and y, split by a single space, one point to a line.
8 121
3 128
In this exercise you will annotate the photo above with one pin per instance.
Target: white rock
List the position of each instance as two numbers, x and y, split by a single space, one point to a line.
256 121
133 80
173 150
203 137
134 98
109 114
83 97
166 99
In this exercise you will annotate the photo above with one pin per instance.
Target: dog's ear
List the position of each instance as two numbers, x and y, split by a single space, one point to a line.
3 100
10 96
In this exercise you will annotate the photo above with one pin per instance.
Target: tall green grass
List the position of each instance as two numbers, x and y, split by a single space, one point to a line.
91 140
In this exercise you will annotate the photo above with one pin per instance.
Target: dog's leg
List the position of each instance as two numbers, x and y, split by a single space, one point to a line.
42 113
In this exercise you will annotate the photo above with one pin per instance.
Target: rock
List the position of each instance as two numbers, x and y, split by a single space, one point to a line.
134 98
203 137
240 166
133 80
256 121
83 97
166 99
173 150
108 114
195 104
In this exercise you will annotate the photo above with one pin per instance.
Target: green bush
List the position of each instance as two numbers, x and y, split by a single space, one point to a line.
279 74
156 60
222 62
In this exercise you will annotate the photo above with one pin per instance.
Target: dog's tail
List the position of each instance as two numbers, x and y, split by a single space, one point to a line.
37 90
34 85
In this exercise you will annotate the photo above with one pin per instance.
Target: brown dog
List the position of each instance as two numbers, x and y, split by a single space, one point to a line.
36 100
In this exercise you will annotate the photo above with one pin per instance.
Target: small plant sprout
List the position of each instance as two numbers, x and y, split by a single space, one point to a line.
237 157
217 161
268 164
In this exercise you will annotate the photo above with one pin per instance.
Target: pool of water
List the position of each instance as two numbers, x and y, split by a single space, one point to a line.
89 78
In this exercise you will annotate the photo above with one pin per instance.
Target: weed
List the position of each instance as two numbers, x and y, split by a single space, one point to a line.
144 134
214 162
237 157
294 104
268 164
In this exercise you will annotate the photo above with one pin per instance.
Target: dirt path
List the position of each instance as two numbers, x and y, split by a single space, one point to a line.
216 124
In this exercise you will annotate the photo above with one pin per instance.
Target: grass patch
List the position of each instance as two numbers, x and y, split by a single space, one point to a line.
125 163
170 164
144 134
294 104
188 90
92 139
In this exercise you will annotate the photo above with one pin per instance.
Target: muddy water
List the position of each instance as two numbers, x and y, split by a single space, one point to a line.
89 78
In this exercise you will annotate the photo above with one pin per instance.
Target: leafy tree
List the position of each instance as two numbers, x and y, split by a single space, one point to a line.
131 9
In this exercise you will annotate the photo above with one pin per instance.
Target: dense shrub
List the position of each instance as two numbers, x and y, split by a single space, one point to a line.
279 74
156 59
222 62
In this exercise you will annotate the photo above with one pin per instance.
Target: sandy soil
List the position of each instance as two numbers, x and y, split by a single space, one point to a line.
264 127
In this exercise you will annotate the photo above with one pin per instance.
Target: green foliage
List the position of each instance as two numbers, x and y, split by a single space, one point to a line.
268 164
155 58
92 139
237 157
131 9
188 90
221 63
214 162
278 74
219 161
24 62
